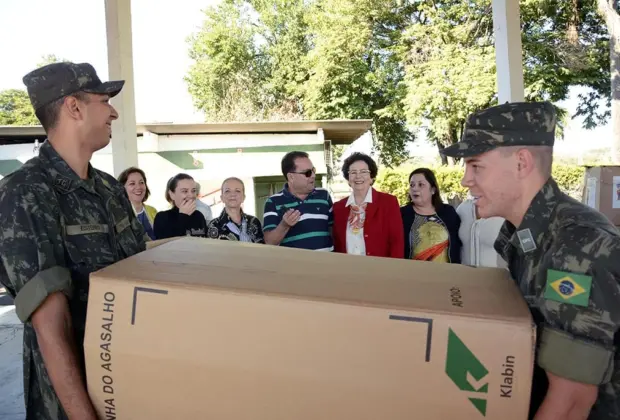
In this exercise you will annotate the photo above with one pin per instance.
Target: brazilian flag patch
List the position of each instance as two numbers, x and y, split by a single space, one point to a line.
568 287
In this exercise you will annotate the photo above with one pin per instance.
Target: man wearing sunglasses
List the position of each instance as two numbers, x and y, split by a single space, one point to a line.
299 216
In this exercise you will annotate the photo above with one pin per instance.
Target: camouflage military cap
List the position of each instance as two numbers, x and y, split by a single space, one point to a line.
54 81
510 124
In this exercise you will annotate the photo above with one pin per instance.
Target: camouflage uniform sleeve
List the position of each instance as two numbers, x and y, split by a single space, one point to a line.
579 303
31 249
136 226
138 229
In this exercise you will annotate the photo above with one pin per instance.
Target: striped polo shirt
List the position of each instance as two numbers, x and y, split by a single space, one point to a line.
312 229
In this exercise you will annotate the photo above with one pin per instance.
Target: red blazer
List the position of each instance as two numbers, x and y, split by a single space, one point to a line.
383 227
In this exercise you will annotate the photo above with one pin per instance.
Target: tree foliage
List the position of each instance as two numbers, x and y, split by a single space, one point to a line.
15 108
323 59
396 181
50 59
450 57
407 64
566 44
355 70
450 66
247 60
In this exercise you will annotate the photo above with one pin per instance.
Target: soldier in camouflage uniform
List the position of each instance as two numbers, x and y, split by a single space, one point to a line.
563 255
61 220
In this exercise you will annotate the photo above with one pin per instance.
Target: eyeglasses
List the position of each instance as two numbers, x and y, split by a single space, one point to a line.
362 172
308 173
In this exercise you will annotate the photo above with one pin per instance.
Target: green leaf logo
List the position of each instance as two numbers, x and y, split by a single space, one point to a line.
466 371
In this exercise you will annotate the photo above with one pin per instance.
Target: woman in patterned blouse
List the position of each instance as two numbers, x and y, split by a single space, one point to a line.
233 224
431 227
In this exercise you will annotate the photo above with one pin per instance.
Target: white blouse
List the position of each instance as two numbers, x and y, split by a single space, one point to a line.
478 237
355 240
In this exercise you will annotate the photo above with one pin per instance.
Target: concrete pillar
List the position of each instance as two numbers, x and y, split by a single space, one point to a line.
120 67
508 58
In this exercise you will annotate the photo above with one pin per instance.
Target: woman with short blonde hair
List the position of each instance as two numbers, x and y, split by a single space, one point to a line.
233 223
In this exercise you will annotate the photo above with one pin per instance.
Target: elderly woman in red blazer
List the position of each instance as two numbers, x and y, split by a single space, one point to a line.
368 222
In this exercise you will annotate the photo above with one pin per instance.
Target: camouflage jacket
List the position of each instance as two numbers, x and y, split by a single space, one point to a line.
55 230
565 258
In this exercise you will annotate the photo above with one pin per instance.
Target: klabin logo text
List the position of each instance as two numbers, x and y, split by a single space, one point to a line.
467 372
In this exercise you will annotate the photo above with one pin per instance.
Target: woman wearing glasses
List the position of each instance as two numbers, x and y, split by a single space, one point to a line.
368 222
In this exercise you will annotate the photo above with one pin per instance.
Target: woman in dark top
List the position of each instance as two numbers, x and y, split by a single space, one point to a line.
233 223
431 227
182 219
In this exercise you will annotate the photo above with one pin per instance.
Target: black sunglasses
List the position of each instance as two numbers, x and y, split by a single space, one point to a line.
308 173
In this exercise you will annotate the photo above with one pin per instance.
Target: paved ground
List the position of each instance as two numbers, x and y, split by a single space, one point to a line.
11 388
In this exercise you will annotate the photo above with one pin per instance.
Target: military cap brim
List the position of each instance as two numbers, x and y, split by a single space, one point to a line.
464 150
111 88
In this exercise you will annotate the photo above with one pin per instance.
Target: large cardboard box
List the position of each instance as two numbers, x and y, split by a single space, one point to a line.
601 190
158 242
205 329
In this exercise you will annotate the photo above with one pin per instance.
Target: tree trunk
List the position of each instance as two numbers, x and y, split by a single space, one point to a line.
440 147
613 26
572 33
453 137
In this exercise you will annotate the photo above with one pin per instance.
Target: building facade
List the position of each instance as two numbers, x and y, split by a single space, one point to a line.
209 153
